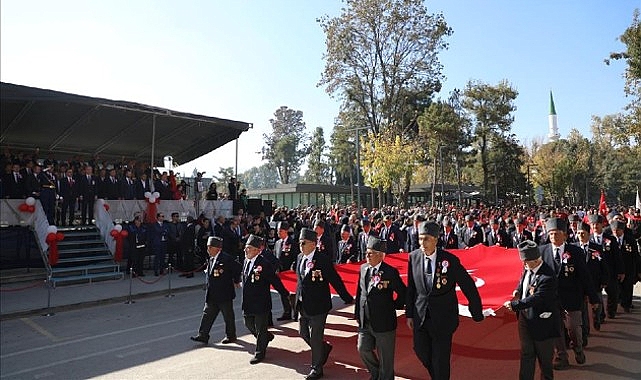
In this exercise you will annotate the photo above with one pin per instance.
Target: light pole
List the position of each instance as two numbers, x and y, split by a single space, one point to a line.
358 166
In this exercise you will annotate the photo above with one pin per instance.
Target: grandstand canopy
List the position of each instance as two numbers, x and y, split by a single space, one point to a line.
68 124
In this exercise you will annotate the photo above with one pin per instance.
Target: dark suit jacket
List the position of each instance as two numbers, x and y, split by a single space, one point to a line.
596 265
13 189
573 276
159 234
32 186
126 190
347 250
441 303
517 238
450 243
539 307
286 252
502 239
257 298
612 253
379 299
113 188
314 286
411 241
471 238
139 189
222 277
86 187
68 192
392 235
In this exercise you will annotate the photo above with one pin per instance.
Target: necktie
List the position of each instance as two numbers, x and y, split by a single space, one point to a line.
302 268
15 177
428 273
247 267
557 257
368 276
587 253
527 281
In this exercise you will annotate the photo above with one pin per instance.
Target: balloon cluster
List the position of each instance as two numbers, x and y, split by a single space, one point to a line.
152 197
53 237
29 205
119 235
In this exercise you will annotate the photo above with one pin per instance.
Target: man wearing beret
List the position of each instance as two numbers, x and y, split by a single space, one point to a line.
569 264
613 259
315 272
432 305
223 276
497 236
375 311
324 244
596 263
630 256
258 275
471 234
535 304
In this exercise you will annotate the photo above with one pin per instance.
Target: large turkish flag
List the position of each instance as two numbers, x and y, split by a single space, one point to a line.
495 270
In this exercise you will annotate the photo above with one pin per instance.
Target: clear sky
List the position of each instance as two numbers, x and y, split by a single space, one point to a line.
242 59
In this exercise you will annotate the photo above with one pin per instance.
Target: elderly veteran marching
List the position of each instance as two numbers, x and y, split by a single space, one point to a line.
258 275
535 304
315 272
379 294
432 304
223 276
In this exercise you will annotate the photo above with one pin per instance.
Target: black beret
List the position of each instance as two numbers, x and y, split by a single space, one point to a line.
595 218
528 250
254 241
283 226
428 228
376 244
583 227
556 224
617 225
307 234
215 241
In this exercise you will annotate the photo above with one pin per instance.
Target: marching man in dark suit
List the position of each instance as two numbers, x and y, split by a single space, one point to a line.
375 311
520 234
223 276
471 234
535 304
448 239
258 275
315 272
568 262
432 305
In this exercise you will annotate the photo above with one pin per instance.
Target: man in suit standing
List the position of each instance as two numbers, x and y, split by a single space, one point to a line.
497 236
520 234
391 234
411 243
568 262
630 255
613 259
223 276
285 248
14 183
375 311
448 239
432 305
471 234
258 275
127 188
87 194
363 237
141 186
347 250
324 244
315 272
159 238
69 195
535 304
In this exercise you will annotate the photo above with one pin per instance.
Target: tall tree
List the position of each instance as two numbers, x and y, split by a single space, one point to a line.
491 108
317 168
342 150
378 52
259 177
287 145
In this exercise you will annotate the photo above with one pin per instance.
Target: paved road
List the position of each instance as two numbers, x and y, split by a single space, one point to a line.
149 340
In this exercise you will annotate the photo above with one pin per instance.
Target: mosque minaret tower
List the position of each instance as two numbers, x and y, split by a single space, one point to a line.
553 134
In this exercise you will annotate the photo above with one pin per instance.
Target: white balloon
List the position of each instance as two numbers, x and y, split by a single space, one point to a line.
147 194
52 229
30 201
152 199
156 194
118 227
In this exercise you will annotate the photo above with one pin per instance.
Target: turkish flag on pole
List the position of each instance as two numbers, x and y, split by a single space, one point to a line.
603 208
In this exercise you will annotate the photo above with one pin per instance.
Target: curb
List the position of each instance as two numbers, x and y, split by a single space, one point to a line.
82 305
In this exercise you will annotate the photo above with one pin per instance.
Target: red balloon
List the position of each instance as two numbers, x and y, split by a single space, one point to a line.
60 236
106 207
31 208
23 207
114 233
124 233
51 237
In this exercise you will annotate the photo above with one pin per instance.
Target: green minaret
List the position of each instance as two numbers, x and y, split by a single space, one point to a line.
552 109
553 133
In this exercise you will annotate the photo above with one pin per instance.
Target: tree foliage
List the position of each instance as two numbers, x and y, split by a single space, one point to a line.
287 145
259 177
491 109
317 168
378 52
342 151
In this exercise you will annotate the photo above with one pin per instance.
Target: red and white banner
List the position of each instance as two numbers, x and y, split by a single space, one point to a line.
495 270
